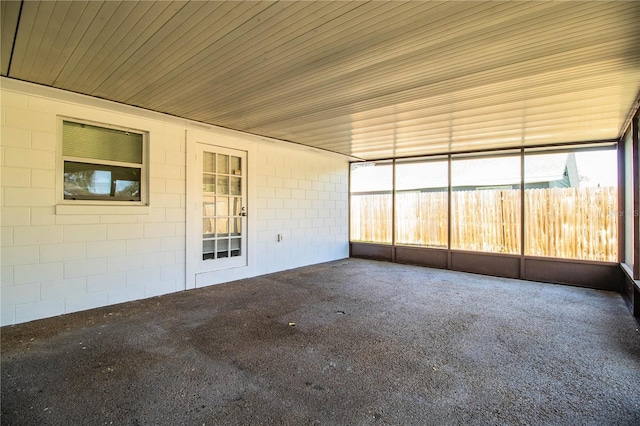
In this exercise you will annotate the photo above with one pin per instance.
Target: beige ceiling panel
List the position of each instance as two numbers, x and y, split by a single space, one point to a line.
232 55
228 89
63 36
130 35
367 79
114 20
332 48
412 71
339 66
31 29
183 35
395 102
55 38
9 12
217 45
471 101
94 28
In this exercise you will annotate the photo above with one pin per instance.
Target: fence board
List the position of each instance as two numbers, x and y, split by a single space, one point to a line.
576 223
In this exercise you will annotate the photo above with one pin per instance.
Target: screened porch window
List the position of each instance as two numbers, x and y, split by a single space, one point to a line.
567 208
100 163
485 203
371 202
421 202
571 204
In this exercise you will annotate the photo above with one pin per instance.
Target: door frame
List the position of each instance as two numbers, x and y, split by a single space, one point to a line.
223 140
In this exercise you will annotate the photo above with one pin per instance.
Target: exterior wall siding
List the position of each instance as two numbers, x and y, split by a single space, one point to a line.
55 262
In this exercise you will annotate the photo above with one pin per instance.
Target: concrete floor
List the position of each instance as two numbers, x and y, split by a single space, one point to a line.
351 342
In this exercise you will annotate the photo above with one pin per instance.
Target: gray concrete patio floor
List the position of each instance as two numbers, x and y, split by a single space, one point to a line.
350 342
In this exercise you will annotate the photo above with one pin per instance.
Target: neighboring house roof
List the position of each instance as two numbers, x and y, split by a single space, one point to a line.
475 172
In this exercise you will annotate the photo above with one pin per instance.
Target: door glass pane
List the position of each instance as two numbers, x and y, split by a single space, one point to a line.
235 247
209 162
222 206
223 248
223 164
235 165
236 226
235 188
208 230
237 206
209 183
208 206
223 227
208 248
223 185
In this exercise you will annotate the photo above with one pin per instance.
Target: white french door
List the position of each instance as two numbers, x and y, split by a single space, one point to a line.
221 208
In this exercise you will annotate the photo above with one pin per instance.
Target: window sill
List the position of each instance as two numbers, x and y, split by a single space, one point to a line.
108 209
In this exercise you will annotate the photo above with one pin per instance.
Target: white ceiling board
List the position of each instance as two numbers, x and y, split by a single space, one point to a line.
366 79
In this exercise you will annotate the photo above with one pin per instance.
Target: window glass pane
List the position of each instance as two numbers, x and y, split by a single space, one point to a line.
571 205
99 143
127 189
223 163
237 206
235 166
422 203
236 226
208 230
235 247
371 202
223 227
208 247
222 206
223 248
208 206
235 188
485 204
209 183
209 162
223 185
84 181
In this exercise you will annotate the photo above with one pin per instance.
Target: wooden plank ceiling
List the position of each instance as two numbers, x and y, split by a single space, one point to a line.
367 79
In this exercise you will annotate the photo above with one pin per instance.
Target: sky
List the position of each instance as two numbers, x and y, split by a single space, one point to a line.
599 167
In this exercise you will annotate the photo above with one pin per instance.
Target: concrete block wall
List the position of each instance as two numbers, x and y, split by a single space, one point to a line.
59 263
304 197
56 261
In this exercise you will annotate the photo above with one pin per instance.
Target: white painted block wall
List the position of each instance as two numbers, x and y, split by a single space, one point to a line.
60 263
304 197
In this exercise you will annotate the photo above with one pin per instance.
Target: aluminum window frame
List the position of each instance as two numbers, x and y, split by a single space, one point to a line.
63 202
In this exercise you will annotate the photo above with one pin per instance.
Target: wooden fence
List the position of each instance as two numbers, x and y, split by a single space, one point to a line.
487 220
576 223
